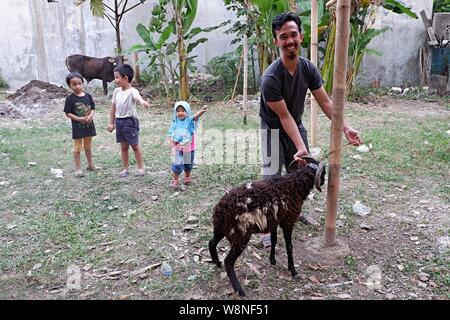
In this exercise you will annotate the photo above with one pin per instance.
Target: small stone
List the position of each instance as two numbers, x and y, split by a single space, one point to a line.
11 226
423 284
414 238
154 198
400 267
31 164
142 276
390 296
423 279
313 279
87 267
112 208
343 296
37 266
433 284
192 220
365 226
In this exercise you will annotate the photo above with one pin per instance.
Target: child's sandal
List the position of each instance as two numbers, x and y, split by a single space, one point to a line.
173 185
187 180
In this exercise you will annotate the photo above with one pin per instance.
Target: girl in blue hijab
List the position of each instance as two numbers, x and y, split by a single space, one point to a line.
182 141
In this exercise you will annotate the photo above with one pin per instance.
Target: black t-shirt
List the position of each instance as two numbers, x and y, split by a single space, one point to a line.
278 84
80 106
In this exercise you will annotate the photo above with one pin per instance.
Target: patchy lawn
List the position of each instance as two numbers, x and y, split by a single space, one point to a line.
116 231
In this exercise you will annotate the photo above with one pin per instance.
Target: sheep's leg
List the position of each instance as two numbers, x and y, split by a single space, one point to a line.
273 239
213 247
230 259
287 233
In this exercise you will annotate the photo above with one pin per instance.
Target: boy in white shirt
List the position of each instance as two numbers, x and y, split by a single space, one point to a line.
124 118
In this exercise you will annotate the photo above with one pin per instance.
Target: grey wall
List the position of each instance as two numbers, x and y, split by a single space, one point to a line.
36 36
399 64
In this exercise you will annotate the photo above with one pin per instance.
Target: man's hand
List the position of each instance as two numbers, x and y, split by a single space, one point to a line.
110 127
298 156
352 136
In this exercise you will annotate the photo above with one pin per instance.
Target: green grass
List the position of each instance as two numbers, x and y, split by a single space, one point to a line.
65 221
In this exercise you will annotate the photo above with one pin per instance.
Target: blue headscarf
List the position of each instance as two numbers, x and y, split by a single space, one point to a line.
182 131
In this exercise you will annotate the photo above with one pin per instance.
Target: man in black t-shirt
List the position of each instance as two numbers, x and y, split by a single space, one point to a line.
283 90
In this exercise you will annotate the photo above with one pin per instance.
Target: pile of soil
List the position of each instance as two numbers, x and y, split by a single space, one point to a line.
33 100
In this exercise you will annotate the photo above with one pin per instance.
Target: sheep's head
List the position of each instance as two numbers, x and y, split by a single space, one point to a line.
318 167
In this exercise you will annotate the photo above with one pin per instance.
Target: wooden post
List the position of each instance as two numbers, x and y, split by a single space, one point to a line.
314 45
245 88
337 119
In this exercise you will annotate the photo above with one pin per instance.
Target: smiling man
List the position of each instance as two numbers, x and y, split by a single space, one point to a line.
283 90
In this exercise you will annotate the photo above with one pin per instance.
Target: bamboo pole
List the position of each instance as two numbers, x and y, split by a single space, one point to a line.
314 46
245 88
337 119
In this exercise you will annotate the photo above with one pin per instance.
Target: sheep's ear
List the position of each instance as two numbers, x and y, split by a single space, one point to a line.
294 165
318 177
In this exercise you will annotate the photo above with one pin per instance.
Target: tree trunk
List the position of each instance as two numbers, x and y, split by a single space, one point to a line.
314 49
184 82
293 6
337 119
328 63
262 61
245 88
117 27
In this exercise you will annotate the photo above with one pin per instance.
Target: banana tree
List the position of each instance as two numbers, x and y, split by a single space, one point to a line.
184 12
364 13
114 13
159 51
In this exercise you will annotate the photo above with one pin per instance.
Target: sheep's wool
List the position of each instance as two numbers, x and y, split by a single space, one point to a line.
248 219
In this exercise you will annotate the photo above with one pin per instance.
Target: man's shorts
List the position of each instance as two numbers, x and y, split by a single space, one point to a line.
82 143
278 149
127 130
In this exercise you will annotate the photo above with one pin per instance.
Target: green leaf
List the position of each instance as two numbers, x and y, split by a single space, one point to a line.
164 36
145 34
398 7
192 45
373 52
189 15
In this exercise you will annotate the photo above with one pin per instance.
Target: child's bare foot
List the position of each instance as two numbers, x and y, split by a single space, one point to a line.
93 168
140 172
124 173
187 180
78 173
173 184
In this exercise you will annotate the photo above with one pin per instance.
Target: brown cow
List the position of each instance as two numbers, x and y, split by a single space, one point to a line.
93 68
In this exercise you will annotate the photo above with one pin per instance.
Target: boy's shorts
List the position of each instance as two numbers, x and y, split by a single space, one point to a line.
82 143
127 130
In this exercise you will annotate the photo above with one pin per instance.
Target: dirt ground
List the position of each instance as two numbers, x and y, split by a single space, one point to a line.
33 100
400 250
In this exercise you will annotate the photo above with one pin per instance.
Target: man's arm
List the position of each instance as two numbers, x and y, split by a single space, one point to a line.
289 125
325 104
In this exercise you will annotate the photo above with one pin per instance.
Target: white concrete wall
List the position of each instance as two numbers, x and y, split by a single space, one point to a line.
36 37
399 64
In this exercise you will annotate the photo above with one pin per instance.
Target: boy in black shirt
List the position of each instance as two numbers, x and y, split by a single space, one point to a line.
80 108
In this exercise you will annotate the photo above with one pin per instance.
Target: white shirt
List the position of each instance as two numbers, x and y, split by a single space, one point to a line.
125 101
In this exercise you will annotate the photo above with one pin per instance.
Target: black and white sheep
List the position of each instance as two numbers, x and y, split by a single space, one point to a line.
259 207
